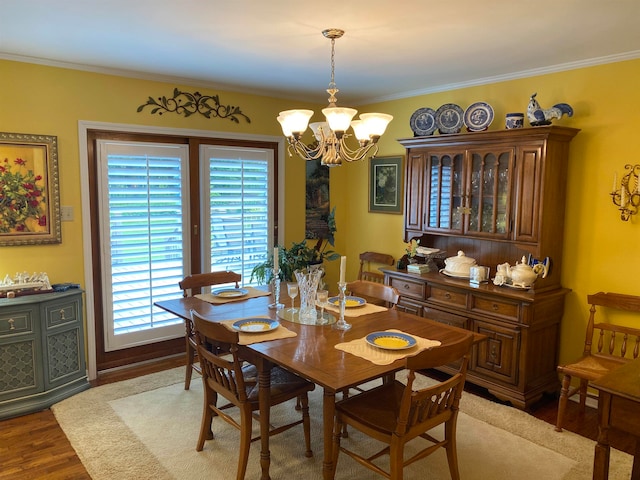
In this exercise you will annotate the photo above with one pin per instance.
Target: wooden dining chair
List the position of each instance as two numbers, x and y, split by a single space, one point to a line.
368 258
227 376
376 293
395 413
193 285
615 345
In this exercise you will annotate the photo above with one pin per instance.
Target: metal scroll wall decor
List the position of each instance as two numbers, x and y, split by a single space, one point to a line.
626 195
187 104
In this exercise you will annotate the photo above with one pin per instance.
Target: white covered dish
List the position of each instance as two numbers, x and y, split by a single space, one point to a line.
459 265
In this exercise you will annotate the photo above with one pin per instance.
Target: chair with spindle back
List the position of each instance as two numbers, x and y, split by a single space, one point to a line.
192 285
615 345
368 258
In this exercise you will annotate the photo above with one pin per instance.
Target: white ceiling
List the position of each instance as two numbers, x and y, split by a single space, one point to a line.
391 49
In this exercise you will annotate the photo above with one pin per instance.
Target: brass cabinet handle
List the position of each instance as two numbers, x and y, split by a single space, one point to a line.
495 307
406 286
62 314
11 322
447 296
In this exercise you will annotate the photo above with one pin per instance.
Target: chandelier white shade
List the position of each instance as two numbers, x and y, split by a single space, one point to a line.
331 135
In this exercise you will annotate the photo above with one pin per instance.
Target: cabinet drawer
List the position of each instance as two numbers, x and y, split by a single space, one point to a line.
446 317
448 297
495 307
61 313
407 288
18 321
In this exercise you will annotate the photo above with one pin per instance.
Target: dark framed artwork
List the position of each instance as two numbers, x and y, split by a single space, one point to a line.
29 190
385 185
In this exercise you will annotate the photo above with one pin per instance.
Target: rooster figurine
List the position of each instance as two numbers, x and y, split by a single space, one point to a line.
541 116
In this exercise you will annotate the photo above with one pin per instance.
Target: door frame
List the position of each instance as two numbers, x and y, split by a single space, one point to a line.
83 127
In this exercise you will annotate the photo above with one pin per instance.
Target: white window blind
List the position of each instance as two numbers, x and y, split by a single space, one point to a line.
239 211
143 229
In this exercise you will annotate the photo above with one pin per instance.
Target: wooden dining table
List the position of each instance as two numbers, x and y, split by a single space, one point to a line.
312 355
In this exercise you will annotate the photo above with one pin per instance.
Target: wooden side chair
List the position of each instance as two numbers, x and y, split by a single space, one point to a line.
224 375
368 258
614 346
376 293
395 414
192 285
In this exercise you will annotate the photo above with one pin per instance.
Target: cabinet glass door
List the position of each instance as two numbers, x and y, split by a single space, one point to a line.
445 192
490 182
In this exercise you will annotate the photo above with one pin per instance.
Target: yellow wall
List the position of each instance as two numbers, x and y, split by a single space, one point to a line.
599 248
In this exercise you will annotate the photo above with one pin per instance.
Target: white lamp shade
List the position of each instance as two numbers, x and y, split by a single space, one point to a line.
295 121
376 123
360 130
319 129
339 118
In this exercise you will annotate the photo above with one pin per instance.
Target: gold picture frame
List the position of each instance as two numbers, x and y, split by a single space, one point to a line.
29 190
385 185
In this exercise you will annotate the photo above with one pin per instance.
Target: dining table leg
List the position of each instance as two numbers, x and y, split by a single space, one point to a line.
328 413
264 399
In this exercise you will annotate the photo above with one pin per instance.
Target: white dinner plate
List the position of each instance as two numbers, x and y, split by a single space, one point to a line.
230 292
255 325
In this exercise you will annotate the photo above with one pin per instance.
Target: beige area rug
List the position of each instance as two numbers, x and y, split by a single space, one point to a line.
147 428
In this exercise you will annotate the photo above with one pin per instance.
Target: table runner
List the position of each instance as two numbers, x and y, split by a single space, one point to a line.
379 356
252 293
257 337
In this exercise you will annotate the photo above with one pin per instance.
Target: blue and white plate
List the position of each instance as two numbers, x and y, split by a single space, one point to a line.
230 292
391 340
478 116
255 325
423 122
350 301
449 118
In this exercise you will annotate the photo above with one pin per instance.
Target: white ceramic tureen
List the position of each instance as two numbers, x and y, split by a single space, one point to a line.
459 265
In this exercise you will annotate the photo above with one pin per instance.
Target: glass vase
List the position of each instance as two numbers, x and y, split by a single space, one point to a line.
308 286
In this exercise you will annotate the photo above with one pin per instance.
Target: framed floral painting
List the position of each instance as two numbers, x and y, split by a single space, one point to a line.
29 189
385 185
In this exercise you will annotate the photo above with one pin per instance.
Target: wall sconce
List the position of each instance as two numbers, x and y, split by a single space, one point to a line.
624 197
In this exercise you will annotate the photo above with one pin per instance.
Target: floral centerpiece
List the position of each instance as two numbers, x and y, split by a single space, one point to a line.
22 200
412 250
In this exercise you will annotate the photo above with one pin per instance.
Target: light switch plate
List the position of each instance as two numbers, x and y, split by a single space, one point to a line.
66 214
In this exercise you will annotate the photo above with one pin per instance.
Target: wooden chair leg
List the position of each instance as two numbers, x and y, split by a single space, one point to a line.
583 395
245 444
306 423
190 352
452 449
337 434
562 402
206 433
345 395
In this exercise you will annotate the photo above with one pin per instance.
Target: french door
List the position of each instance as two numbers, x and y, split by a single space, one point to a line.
166 207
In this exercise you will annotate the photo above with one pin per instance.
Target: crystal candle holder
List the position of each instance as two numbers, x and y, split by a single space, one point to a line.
341 324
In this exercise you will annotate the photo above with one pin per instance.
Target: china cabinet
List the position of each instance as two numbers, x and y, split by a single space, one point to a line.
42 351
498 196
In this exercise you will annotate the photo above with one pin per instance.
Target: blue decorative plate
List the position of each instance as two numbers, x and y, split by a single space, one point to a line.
449 118
391 340
423 122
255 325
478 116
350 301
230 292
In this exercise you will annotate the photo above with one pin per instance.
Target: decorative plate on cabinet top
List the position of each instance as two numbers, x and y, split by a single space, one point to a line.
478 116
450 118
423 122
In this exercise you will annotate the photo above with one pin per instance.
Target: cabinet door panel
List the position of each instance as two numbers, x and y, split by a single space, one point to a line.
528 178
497 356
444 192
414 174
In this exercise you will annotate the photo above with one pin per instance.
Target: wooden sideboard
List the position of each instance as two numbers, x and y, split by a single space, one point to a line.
42 356
517 362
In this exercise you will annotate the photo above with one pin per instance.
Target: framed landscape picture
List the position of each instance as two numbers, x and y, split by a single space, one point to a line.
385 185
29 190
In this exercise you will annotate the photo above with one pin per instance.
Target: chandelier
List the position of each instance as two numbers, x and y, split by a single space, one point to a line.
330 135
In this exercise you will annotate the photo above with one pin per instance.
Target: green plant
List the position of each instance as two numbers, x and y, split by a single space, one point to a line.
300 255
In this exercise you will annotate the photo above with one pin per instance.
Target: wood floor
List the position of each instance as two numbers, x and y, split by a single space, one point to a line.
34 447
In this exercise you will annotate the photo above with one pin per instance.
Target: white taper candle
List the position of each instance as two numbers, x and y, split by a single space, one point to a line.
343 268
